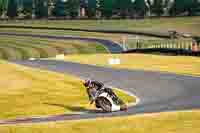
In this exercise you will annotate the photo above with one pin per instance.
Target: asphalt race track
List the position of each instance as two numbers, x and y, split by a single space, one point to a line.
158 92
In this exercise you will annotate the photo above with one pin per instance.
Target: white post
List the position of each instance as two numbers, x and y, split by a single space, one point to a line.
124 40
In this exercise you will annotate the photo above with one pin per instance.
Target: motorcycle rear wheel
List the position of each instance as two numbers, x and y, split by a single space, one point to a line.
105 104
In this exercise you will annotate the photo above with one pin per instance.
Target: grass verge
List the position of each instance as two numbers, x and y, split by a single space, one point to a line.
185 65
174 122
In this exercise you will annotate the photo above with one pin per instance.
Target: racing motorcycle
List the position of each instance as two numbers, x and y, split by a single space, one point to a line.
107 100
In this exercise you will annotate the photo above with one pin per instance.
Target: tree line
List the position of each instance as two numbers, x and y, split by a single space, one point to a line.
97 8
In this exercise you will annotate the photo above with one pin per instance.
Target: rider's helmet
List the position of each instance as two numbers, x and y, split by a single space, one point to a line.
87 83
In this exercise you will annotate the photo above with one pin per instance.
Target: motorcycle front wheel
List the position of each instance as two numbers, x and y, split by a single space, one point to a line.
105 104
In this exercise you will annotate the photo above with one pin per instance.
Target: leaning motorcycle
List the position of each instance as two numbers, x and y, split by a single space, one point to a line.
108 101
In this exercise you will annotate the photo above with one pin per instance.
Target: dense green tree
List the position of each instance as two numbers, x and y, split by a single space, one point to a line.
20 3
178 7
194 7
91 8
60 8
184 6
3 6
73 8
140 7
28 8
123 7
12 8
51 7
157 7
106 8
41 8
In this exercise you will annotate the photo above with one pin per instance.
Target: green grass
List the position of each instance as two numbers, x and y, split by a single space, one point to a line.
29 92
174 64
28 47
184 24
175 122
62 33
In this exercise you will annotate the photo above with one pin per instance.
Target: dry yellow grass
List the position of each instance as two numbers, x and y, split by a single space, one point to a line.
185 65
175 122
26 92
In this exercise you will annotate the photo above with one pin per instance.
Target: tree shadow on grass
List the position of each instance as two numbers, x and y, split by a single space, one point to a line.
75 108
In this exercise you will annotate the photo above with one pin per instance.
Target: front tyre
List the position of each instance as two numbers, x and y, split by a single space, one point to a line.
97 104
105 104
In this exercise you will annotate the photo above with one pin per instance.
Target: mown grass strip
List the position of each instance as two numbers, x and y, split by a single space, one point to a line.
46 50
30 47
25 54
4 54
10 53
43 53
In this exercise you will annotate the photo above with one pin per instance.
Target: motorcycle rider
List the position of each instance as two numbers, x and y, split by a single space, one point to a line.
93 87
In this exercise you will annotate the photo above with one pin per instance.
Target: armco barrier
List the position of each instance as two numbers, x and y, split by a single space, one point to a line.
165 51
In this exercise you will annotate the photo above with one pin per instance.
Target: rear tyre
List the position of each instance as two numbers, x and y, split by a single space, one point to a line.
123 107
